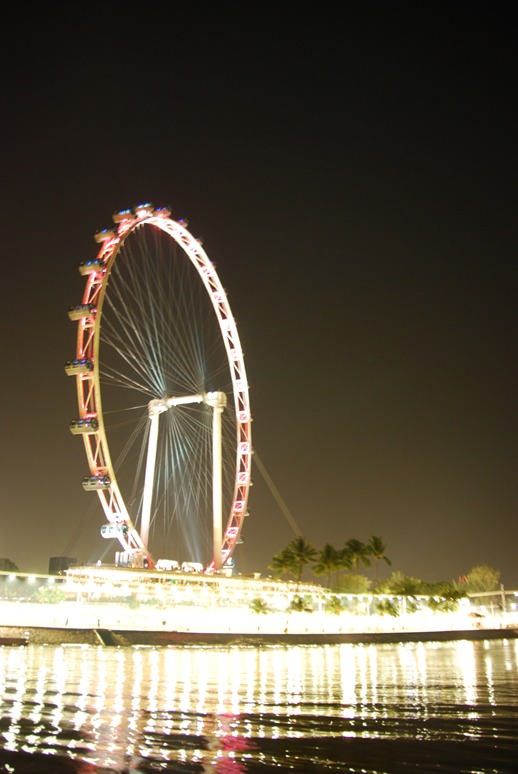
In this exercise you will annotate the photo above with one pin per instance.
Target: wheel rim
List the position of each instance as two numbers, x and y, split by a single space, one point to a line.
155 321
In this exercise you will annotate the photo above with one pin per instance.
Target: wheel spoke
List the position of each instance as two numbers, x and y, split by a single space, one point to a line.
163 331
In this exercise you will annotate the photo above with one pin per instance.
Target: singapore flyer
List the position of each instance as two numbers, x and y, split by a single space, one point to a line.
163 400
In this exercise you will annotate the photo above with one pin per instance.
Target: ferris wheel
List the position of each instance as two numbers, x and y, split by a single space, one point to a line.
163 398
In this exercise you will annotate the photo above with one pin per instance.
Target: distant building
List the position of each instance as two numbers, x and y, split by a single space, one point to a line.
58 564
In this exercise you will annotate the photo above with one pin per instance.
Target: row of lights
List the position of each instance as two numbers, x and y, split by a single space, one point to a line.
30 578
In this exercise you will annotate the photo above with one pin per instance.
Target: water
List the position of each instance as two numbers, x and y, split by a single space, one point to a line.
427 707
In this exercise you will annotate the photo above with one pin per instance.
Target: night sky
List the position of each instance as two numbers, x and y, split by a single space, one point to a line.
353 176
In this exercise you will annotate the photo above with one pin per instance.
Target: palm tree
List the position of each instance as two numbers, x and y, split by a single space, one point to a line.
377 548
259 606
356 552
328 561
345 561
284 563
303 553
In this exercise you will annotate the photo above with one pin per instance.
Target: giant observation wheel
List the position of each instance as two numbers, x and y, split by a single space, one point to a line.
162 392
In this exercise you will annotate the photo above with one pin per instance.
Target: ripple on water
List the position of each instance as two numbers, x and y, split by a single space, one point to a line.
381 709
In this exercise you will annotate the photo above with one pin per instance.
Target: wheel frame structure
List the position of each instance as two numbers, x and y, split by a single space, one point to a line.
85 368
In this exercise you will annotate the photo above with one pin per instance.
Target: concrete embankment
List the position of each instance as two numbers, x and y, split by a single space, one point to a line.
115 624
105 637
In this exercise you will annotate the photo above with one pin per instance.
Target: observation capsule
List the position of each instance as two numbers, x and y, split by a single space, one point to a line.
82 366
81 311
141 210
90 267
122 215
163 212
104 235
113 530
93 483
84 426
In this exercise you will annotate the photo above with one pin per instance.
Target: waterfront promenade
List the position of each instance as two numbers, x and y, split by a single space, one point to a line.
106 606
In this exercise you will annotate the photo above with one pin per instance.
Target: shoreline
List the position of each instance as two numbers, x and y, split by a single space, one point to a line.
115 607
36 635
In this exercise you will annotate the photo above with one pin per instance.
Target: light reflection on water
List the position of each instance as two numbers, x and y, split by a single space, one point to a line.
372 708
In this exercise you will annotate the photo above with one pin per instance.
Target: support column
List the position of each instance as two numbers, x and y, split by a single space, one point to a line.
218 401
154 416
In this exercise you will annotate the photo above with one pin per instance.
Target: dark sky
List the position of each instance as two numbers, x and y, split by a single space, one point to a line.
354 177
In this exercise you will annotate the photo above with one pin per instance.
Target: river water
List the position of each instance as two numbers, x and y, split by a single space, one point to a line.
427 707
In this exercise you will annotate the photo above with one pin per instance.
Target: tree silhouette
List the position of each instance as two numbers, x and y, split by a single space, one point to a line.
284 563
6 565
356 552
303 553
377 548
482 578
327 562
292 559
259 606
403 585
